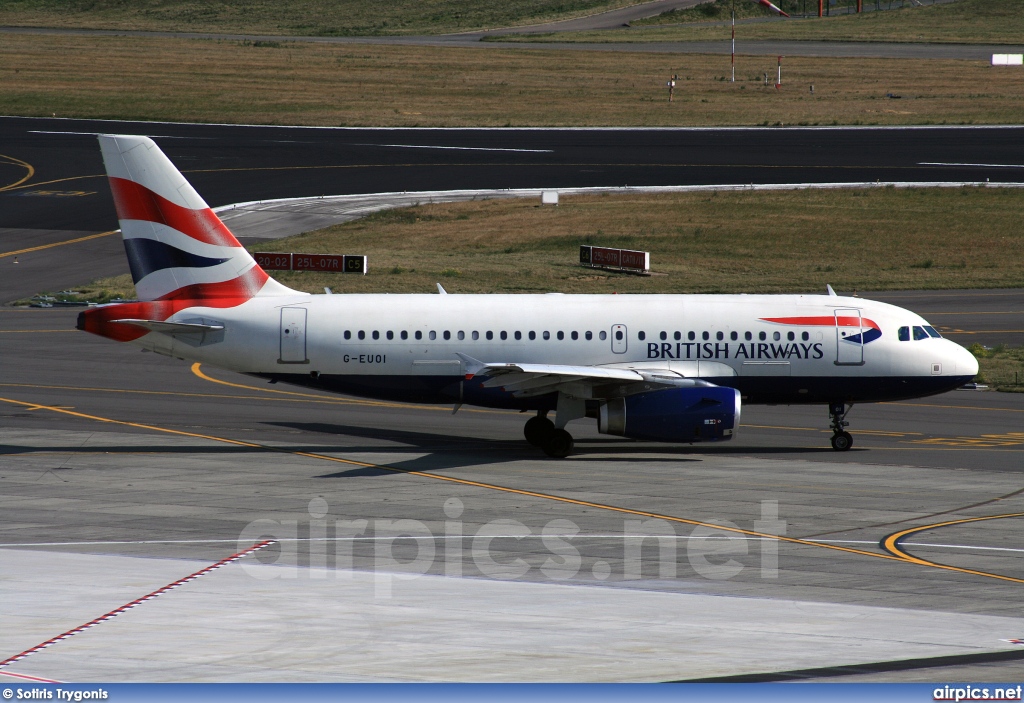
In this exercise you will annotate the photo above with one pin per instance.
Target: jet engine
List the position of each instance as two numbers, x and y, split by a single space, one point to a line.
702 414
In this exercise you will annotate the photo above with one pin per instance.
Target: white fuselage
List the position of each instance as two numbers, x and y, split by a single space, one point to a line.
359 343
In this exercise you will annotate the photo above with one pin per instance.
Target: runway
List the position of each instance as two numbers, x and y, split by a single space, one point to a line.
124 472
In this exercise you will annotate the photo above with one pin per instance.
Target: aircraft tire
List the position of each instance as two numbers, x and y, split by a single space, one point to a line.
842 441
538 430
559 445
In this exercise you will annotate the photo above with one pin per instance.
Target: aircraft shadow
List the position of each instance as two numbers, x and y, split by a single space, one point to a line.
446 452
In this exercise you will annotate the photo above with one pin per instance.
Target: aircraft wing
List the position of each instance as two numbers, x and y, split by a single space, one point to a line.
523 380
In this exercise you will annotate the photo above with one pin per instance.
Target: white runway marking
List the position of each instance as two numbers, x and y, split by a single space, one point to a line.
459 148
370 538
941 163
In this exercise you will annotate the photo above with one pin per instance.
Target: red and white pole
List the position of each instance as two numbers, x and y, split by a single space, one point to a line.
734 45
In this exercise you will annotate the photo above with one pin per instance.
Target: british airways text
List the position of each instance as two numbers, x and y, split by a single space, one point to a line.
723 350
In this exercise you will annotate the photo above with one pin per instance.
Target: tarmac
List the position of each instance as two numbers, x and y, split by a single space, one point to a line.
161 521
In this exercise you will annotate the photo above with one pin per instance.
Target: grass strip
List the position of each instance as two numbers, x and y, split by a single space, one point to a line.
315 84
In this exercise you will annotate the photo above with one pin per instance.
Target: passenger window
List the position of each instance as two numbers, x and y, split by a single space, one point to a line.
561 335
519 335
691 336
762 336
362 334
476 335
490 335
447 335
618 335
533 335
405 334
419 334
589 336
919 333
462 335
903 334
747 336
504 335
547 335
664 336
805 336
719 336
641 336
776 336
376 334
677 336
791 336
706 336
932 332
390 335
575 335
348 334
603 335
733 336
433 335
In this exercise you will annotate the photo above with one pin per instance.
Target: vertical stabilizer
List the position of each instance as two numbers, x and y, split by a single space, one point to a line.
178 249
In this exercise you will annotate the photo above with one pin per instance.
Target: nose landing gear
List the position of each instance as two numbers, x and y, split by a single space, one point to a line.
841 439
541 432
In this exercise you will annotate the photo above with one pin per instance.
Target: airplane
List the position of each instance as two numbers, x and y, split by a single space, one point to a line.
664 368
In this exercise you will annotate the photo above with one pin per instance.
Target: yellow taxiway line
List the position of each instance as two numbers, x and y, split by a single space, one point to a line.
898 557
892 545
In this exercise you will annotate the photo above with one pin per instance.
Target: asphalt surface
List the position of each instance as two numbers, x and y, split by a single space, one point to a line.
108 451
105 450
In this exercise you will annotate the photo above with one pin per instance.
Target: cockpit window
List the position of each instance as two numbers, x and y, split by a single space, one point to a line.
903 334
932 332
919 333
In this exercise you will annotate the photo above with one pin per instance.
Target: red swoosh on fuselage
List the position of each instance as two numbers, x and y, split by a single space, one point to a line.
824 321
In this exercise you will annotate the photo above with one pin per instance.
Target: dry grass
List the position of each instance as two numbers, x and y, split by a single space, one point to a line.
872 239
1001 367
962 22
228 81
301 17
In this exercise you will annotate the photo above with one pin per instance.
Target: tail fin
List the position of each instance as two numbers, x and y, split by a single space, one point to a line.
178 249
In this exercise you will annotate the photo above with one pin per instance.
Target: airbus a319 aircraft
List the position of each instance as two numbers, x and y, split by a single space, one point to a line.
666 368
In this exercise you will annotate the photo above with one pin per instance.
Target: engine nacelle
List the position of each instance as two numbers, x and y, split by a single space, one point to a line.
709 414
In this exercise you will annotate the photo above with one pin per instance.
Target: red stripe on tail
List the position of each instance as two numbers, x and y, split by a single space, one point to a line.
136 202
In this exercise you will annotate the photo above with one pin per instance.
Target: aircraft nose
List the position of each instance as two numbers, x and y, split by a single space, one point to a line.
966 364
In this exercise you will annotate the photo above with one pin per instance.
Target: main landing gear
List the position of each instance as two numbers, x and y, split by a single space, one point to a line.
841 439
541 432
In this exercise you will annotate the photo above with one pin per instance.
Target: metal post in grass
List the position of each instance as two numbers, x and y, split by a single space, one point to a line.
733 59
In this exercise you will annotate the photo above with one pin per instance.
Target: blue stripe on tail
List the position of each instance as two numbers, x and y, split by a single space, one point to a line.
148 255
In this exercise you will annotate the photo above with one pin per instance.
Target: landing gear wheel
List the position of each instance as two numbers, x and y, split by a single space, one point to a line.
559 445
538 430
842 441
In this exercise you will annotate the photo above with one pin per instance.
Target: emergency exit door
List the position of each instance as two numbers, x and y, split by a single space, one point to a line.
293 336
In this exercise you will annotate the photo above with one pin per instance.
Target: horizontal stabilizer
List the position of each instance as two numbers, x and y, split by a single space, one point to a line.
172 328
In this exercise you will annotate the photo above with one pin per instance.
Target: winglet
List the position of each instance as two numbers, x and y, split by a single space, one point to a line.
830 291
441 290
473 366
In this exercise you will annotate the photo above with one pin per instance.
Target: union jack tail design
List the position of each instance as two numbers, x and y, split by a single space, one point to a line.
180 254
178 249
